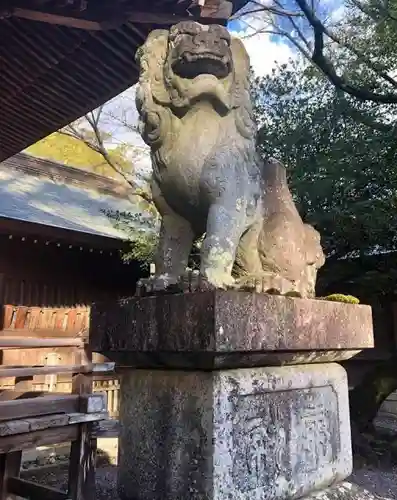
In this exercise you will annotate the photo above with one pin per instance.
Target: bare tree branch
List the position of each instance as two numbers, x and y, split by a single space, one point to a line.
326 66
344 43
98 146
315 52
280 32
278 11
299 32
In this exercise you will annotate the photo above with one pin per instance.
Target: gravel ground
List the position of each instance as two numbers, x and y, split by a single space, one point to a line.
57 477
376 480
381 481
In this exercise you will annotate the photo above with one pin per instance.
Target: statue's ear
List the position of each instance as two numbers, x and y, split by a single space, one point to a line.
240 57
151 57
241 89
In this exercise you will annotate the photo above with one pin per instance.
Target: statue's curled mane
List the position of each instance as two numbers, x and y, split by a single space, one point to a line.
163 96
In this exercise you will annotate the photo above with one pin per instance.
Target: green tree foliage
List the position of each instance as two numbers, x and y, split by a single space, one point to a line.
341 161
142 231
341 157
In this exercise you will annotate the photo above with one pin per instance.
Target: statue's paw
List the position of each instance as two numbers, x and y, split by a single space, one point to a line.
214 279
271 283
250 284
156 285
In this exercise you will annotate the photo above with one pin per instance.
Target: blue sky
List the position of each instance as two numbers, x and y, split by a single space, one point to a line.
267 50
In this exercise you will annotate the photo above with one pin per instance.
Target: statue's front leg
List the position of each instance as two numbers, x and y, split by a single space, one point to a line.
225 227
174 246
175 243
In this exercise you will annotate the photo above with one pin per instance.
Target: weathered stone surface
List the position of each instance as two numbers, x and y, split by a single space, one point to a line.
247 434
196 115
345 491
228 329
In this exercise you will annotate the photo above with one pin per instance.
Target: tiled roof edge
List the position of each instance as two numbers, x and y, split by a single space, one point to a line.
59 172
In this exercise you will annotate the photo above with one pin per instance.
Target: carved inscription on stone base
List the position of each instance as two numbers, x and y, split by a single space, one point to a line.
287 431
283 434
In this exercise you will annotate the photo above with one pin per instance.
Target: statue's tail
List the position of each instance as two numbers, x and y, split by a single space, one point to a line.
274 174
274 179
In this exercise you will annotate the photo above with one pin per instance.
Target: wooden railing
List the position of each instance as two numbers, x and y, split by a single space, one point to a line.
29 418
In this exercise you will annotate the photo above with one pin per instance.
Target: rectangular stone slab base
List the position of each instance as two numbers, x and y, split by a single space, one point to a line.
243 434
227 329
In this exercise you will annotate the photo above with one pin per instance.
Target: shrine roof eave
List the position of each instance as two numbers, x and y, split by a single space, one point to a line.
54 69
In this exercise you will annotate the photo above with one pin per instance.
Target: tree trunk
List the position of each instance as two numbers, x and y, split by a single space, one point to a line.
367 397
365 400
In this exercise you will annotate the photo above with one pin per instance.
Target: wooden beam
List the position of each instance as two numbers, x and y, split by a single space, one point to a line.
106 428
93 402
210 11
23 426
81 484
82 461
45 17
52 404
31 371
12 394
33 491
38 438
43 405
32 342
93 25
43 333
217 9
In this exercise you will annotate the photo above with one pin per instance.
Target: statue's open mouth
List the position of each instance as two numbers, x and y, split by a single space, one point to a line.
191 65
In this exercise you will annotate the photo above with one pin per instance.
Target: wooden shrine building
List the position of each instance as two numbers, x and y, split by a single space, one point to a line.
58 248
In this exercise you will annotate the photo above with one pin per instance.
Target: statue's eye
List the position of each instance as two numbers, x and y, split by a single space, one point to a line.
221 32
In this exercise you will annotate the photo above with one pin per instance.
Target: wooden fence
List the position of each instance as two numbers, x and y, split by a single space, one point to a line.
31 417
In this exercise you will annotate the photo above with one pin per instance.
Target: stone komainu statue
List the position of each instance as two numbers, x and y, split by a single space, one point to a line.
196 115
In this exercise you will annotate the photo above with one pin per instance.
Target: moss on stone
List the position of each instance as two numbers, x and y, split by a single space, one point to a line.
339 297
294 293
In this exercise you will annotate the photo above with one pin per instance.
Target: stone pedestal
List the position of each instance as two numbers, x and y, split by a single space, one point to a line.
232 395
251 433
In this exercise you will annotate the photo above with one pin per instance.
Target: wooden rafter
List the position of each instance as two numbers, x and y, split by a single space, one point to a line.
102 20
